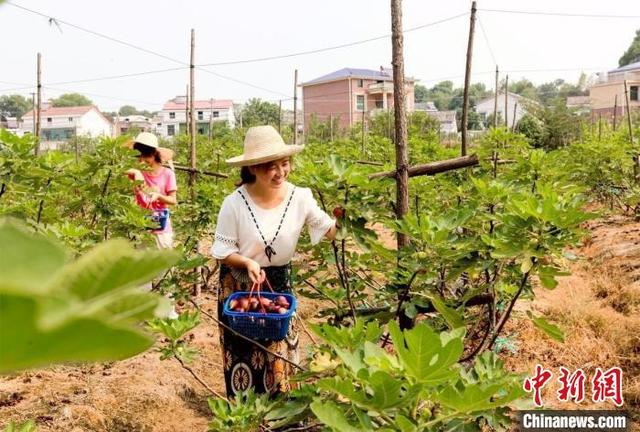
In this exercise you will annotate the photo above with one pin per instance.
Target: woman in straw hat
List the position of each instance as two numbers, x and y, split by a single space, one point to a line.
156 187
257 231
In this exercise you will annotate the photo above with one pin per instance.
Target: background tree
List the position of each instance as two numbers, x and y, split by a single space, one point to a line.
70 99
127 110
14 105
258 112
632 54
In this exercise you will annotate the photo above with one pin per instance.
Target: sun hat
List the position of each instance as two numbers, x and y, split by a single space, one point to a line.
263 144
150 140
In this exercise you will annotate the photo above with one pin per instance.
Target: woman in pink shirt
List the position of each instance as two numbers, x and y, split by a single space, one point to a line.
157 190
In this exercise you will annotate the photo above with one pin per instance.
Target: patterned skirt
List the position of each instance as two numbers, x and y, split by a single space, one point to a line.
245 364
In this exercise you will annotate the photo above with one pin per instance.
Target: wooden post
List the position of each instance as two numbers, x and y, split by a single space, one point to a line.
402 158
626 101
39 105
615 112
280 116
467 79
506 102
295 107
192 93
513 122
389 123
495 103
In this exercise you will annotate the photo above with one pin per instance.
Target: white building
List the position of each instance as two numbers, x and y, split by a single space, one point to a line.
59 124
485 107
172 119
122 124
447 119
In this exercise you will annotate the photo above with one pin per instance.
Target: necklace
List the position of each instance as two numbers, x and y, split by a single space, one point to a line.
268 248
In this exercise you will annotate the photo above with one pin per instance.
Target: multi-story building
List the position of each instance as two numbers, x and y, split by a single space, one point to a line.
172 120
610 88
349 94
59 124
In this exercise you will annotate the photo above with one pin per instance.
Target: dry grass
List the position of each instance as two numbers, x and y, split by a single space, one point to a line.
598 308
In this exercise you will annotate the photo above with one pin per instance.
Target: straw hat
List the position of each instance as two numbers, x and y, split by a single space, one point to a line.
263 144
150 140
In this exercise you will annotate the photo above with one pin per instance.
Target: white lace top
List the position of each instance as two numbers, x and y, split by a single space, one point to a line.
236 230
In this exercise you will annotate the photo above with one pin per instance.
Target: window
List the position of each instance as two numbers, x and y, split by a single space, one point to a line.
172 115
200 115
216 114
360 103
379 104
200 131
171 129
633 93
360 83
70 119
49 120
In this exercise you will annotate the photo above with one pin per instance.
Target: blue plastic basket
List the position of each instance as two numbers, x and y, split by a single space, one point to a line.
160 217
256 325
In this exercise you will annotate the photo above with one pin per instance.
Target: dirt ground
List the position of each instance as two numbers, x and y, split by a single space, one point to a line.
597 306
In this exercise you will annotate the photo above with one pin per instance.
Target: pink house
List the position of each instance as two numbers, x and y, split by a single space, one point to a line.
349 94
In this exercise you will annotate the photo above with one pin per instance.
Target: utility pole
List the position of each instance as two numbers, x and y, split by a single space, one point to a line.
192 152
495 102
467 79
280 116
513 122
295 108
39 105
402 158
615 112
506 102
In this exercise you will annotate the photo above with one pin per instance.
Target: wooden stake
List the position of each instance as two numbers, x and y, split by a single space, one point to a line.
513 122
295 107
626 101
192 93
39 106
467 80
506 102
495 103
615 112
432 168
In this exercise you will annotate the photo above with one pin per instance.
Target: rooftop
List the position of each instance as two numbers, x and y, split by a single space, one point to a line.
63 111
384 74
629 67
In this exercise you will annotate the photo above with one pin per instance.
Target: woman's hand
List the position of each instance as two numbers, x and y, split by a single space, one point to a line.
254 270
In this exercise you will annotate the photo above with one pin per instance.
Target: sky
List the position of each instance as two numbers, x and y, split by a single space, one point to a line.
540 48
